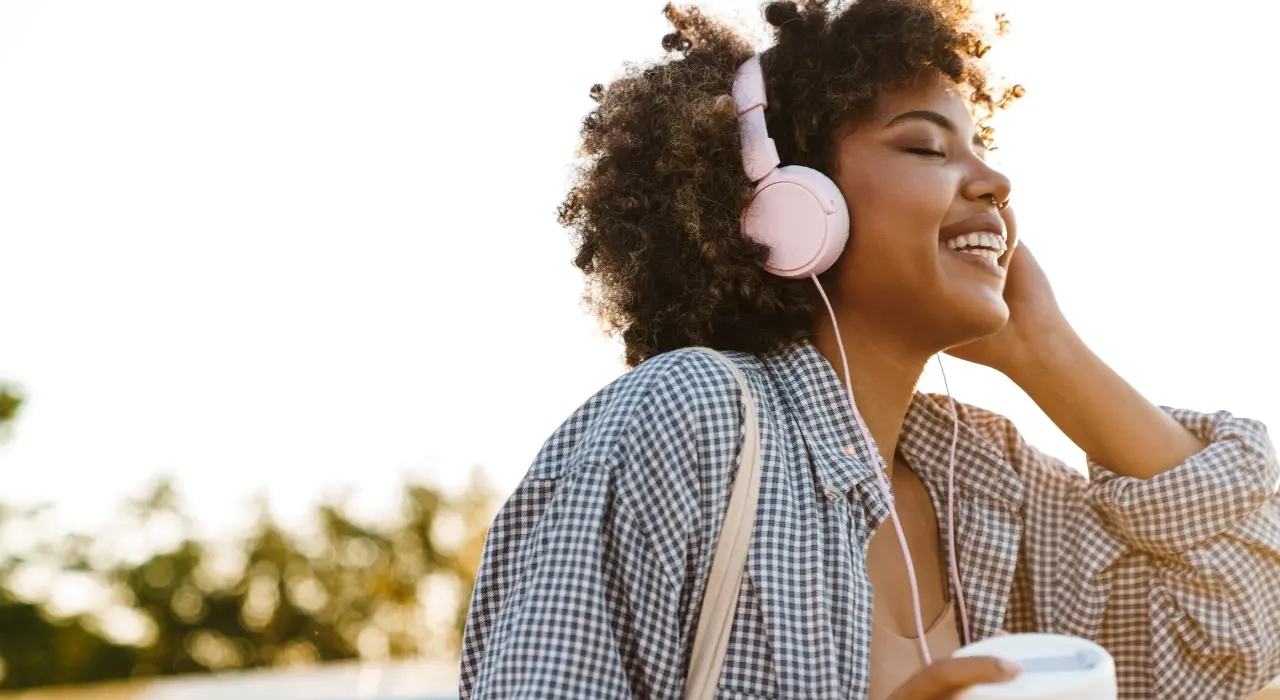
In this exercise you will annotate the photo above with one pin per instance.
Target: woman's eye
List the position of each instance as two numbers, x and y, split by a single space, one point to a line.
926 152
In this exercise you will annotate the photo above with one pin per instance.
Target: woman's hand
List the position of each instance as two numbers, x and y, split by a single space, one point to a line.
943 679
1102 414
1035 320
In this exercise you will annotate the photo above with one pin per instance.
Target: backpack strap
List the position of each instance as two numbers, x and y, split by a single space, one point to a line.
720 599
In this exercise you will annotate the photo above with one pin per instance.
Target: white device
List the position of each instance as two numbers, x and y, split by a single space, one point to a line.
1054 667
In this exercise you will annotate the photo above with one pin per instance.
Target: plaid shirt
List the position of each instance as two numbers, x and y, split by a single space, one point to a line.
593 572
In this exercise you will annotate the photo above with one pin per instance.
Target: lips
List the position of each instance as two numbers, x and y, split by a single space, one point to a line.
981 223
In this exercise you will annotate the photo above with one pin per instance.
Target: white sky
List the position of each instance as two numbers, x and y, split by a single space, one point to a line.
288 245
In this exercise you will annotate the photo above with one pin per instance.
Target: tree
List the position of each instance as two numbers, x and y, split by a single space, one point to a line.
341 590
10 402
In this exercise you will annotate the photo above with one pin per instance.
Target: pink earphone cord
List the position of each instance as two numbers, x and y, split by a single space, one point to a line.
888 494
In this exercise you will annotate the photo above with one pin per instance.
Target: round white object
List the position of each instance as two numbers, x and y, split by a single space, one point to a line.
1055 667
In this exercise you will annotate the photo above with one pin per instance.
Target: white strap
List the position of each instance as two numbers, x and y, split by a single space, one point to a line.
720 600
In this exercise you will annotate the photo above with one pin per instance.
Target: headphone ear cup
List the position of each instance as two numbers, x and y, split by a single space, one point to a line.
802 216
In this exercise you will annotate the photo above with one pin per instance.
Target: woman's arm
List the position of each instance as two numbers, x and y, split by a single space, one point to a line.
1101 413
1169 553
1175 575
584 589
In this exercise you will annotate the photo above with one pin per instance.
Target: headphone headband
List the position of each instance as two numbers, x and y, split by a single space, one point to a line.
796 211
759 154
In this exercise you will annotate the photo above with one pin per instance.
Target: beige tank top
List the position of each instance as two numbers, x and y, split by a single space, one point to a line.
894 659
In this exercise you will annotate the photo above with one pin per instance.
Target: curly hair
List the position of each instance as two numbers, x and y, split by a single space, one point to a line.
656 202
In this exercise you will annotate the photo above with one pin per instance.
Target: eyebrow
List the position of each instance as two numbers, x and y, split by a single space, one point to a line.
933 118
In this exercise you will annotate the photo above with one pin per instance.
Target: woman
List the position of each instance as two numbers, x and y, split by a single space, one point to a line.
594 572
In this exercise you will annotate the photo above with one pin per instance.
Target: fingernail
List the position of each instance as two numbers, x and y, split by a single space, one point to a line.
1010 669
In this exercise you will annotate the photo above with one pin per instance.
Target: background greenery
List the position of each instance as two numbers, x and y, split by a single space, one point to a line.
143 595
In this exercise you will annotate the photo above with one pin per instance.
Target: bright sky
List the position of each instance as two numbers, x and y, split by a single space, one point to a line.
289 245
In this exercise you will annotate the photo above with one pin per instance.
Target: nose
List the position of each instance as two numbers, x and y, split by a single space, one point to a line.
987 183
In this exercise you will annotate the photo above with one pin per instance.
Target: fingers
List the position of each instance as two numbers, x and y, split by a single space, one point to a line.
1011 227
1010 221
943 678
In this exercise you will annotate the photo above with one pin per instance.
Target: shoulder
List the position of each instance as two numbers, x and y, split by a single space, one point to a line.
670 400
1041 474
683 378
998 434
989 426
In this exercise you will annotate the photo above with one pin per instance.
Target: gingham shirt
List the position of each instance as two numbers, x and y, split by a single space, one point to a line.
593 571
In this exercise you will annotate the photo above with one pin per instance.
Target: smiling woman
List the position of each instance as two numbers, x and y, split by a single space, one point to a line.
663 148
716 188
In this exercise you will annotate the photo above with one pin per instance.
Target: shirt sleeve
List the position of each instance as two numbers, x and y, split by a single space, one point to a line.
1178 576
585 587
545 618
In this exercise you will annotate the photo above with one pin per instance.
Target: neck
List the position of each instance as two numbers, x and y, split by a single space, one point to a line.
884 377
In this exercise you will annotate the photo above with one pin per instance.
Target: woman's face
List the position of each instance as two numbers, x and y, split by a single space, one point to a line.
928 249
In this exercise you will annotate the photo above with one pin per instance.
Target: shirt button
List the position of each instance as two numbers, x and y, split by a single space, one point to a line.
832 493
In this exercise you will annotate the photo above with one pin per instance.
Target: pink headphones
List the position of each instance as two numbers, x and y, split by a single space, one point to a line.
797 211
802 216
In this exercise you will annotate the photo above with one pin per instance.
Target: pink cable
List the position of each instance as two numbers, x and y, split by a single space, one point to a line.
956 581
951 518
880 480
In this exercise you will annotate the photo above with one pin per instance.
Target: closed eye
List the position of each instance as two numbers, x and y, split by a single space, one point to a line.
926 152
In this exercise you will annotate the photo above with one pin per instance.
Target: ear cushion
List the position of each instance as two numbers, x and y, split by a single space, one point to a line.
802 216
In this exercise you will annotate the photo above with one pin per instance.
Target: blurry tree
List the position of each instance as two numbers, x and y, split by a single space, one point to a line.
10 402
165 602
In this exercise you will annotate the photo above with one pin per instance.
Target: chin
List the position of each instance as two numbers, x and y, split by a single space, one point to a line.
973 318
990 325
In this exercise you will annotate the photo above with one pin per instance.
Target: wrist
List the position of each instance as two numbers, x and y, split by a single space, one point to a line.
1054 350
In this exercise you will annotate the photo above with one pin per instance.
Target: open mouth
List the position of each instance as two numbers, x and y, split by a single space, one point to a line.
985 245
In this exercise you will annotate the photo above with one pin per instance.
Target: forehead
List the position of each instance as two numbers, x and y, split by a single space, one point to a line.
931 92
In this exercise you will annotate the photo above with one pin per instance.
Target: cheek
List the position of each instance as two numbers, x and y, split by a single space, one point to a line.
898 210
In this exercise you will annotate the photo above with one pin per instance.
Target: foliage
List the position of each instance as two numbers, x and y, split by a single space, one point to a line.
10 402
144 596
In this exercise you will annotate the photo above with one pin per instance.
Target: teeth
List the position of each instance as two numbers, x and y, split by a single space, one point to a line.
979 243
989 255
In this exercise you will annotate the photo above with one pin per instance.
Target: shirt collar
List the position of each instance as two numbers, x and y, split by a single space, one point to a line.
981 470
816 400
841 454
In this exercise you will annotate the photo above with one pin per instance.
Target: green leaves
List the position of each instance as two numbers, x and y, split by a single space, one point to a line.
335 589
10 402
